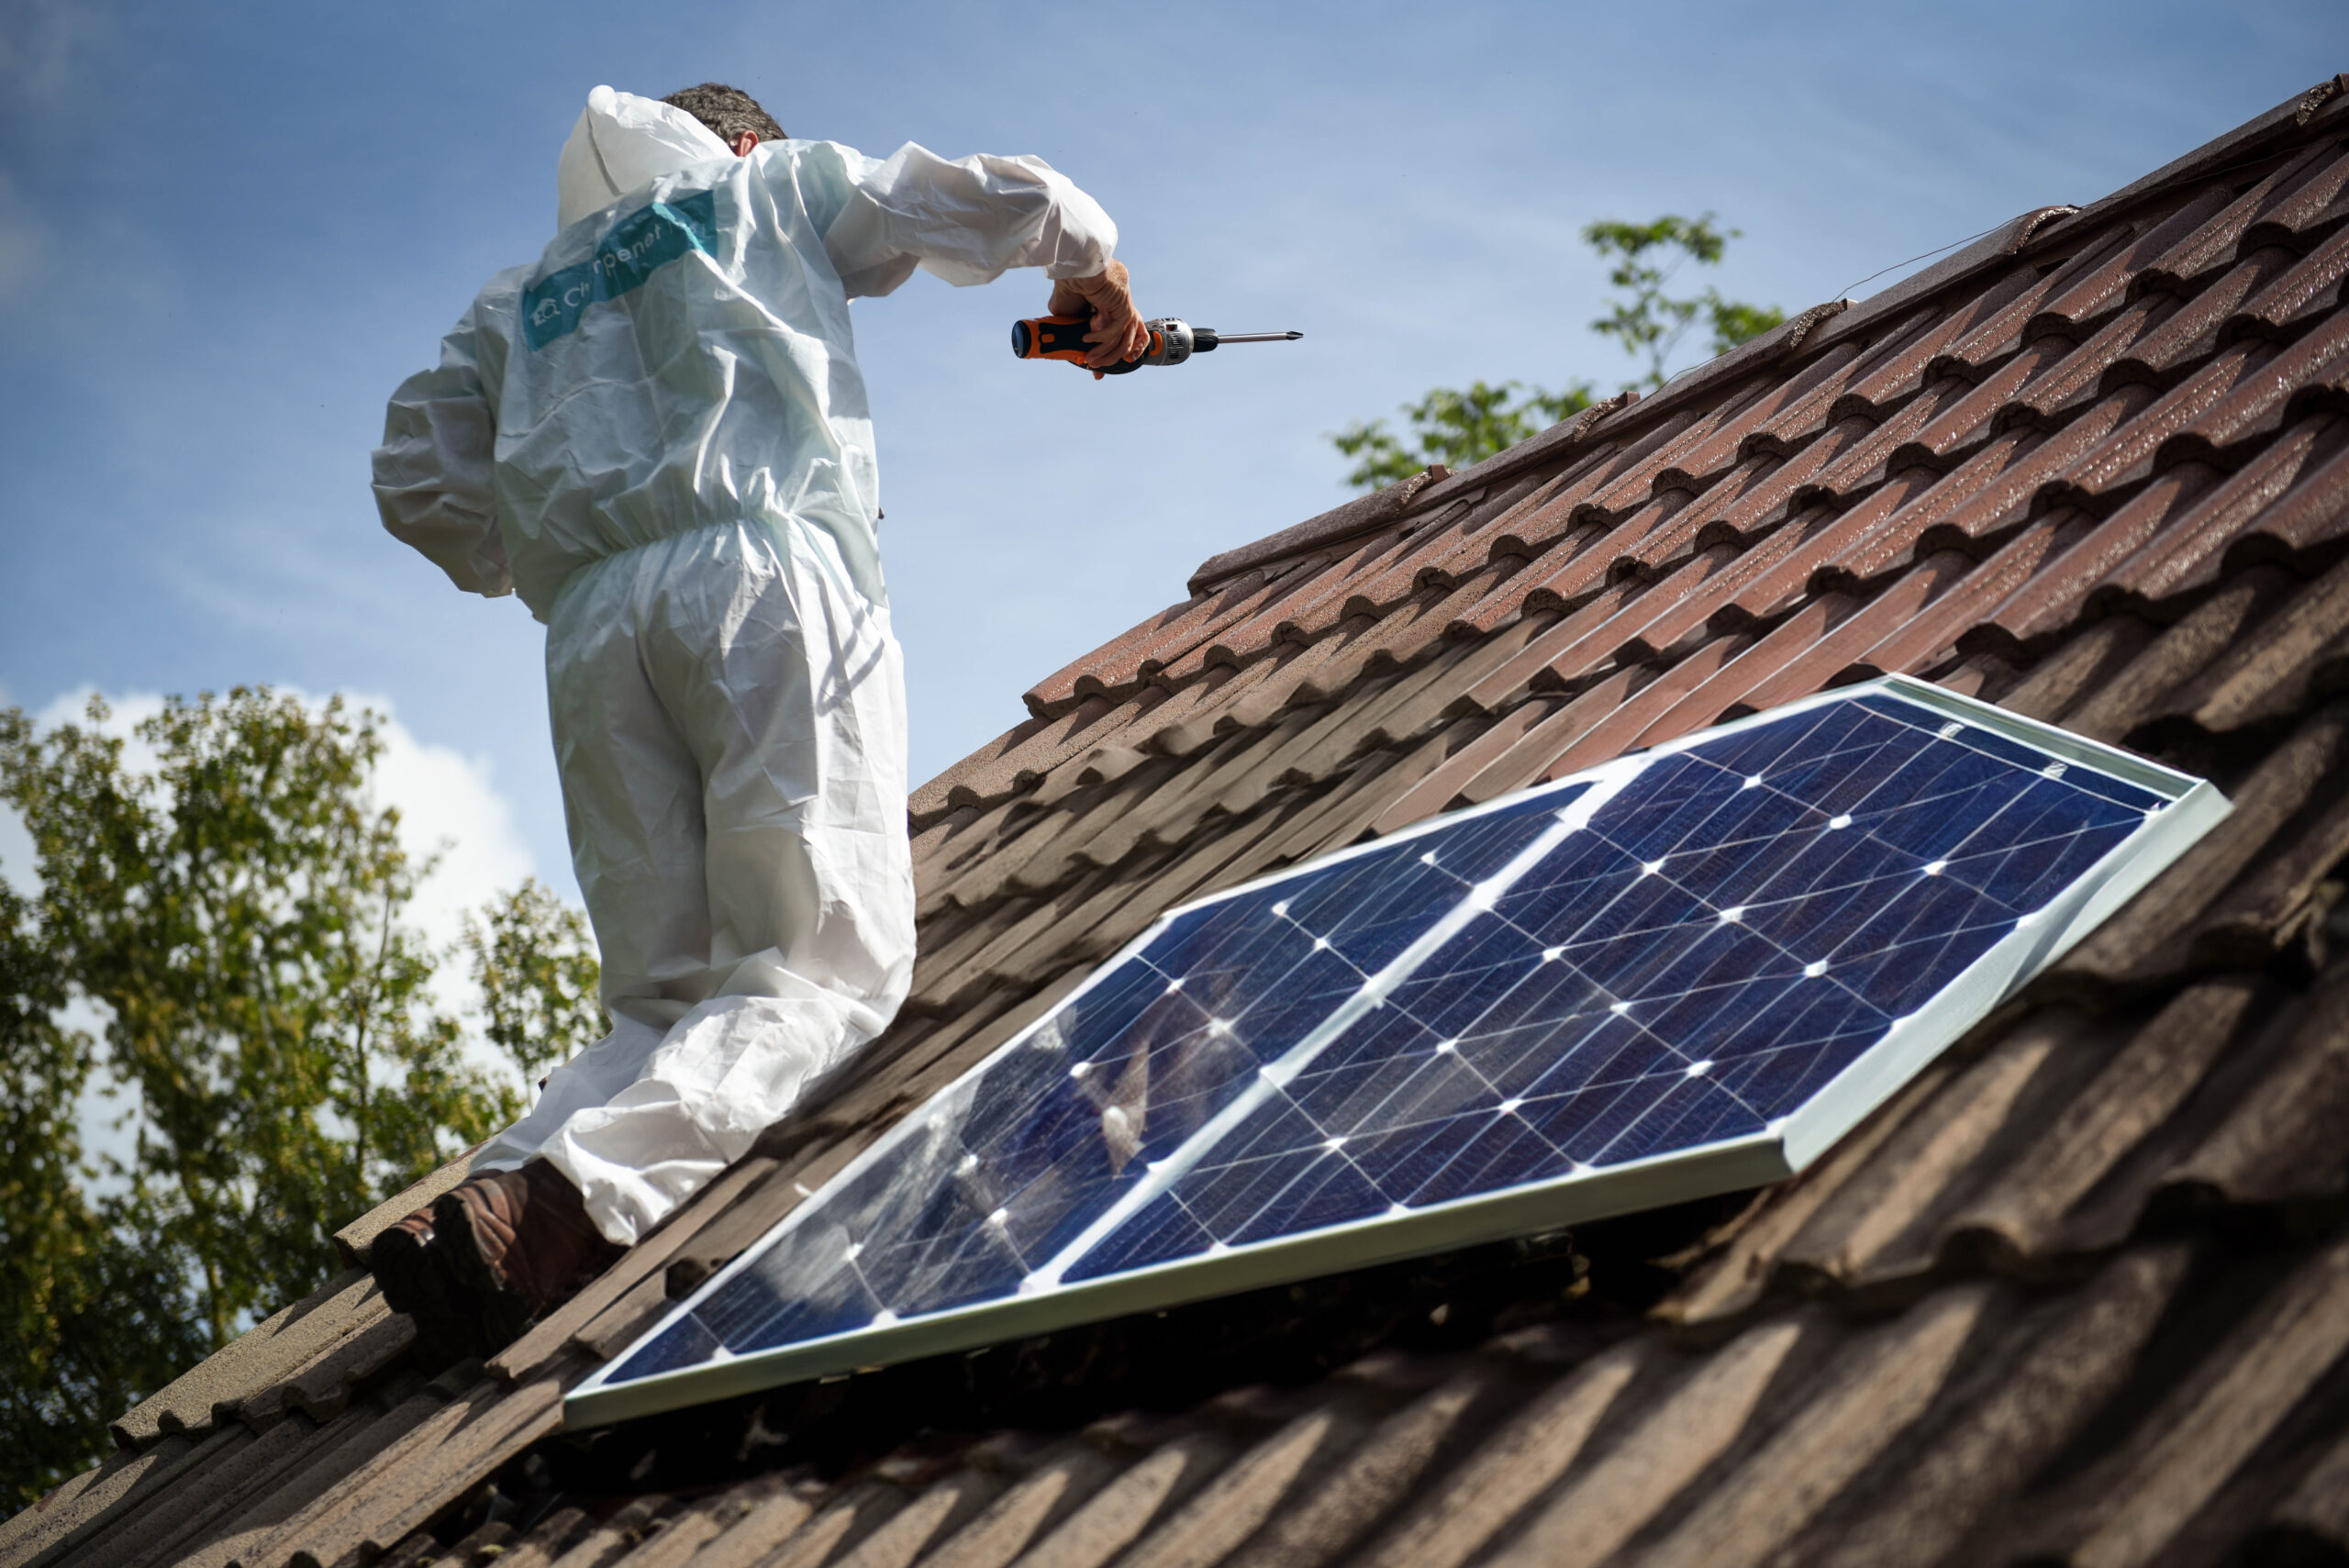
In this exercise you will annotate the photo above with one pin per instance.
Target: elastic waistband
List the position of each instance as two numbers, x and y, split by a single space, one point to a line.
784 539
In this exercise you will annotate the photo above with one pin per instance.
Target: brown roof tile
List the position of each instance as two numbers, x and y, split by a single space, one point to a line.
2089 289
241 1459
1759 406
280 1347
1149 647
1517 1463
1255 1486
2270 680
2221 238
2157 666
1918 349
1606 727
2274 1144
1029 1508
2143 1497
397 1492
275 1475
1664 1443
2153 936
2309 198
1994 489
1386 1468
1854 636
2203 323
264 1525
1361 515
2308 290
1872 1394
1114 1517
2048 602
2259 401
2313 1518
2243 510
2085 661
2028 1207
1957 1472
79 1508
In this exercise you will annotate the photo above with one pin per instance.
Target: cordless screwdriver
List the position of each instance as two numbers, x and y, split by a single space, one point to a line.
1172 340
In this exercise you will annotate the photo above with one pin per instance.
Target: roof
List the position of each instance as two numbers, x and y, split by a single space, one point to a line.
2079 1293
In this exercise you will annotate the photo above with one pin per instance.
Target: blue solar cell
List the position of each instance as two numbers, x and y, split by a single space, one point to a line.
690 1342
1666 959
1050 1136
1533 1054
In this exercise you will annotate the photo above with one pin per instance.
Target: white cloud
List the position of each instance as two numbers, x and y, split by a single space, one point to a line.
449 810
16 867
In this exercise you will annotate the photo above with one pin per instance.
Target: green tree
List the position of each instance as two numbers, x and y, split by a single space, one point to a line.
89 1318
1458 428
1651 323
1455 428
231 912
534 965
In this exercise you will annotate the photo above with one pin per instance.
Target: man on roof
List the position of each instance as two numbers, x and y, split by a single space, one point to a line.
656 434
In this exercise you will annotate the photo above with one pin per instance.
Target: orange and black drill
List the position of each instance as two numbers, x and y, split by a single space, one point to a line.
1172 340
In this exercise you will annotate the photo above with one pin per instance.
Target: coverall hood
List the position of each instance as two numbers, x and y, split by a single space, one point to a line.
623 141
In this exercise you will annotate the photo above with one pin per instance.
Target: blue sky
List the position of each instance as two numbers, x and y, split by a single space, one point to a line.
225 232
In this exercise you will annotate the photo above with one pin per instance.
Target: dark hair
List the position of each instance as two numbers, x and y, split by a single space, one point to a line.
728 111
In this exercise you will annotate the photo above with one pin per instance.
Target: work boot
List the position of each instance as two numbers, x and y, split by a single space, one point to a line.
415 1279
519 1243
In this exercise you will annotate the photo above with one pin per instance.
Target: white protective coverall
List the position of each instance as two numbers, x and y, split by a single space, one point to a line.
657 435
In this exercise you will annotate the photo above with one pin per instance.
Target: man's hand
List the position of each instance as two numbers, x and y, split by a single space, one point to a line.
1118 333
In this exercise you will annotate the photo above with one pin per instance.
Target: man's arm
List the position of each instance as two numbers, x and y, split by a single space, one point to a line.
970 219
433 472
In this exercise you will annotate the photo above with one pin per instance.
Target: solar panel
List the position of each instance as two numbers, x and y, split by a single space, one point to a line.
1686 972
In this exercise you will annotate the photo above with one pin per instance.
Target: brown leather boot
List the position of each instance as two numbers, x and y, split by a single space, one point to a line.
520 1242
415 1279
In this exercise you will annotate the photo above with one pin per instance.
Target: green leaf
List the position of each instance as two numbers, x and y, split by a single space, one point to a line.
1650 324
1455 428
535 967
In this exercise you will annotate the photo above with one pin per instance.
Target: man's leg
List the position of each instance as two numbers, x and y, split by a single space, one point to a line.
515 1236
631 792
790 693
